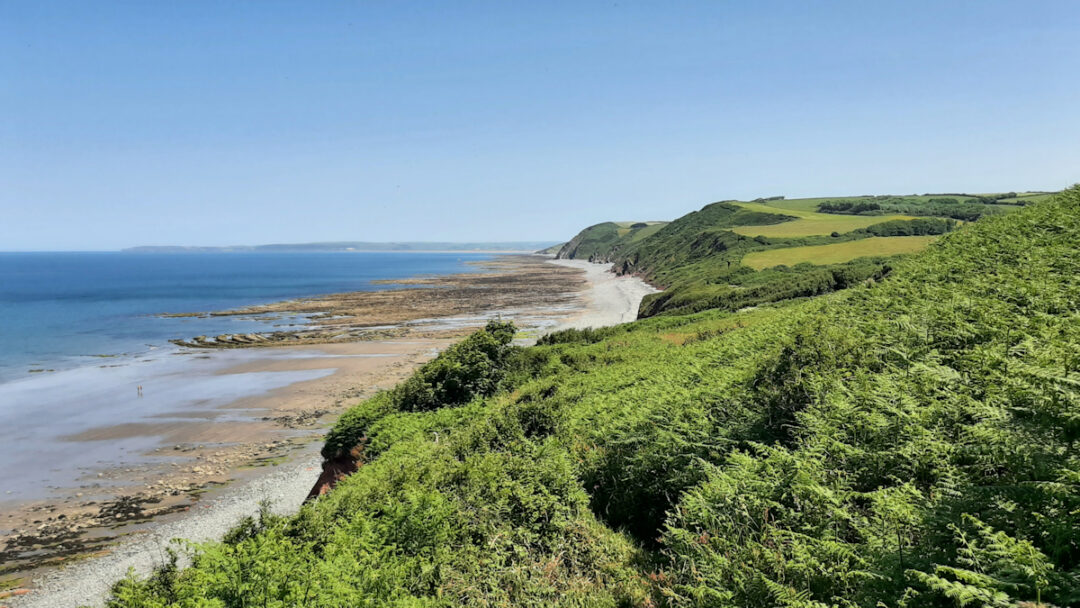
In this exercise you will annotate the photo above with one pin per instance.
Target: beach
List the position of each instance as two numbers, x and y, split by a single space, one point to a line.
204 465
609 299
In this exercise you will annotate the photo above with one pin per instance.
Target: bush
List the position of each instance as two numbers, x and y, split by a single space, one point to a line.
588 335
916 227
471 368
850 207
351 427
968 211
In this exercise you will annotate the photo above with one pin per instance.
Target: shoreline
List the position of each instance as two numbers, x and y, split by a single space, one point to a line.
90 462
89 582
524 286
194 452
611 299
299 413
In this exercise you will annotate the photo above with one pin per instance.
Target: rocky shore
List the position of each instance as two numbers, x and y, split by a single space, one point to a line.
516 286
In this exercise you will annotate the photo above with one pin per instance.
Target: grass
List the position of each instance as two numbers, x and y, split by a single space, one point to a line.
1027 198
795 204
837 253
648 231
811 204
696 258
809 223
601 240
636 234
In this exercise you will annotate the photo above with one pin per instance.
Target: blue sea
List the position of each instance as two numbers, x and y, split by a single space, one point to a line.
63 310
81 332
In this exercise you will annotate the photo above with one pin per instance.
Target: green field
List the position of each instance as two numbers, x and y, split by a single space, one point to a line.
967 207
811 204
636 234
837 253
794 204
809 223
696 259
1024 198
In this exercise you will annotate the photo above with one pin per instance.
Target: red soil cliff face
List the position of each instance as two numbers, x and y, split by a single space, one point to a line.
335 470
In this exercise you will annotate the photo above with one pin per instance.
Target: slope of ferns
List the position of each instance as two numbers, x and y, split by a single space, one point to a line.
911 442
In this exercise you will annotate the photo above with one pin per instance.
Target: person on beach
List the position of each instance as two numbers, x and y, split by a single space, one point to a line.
140 390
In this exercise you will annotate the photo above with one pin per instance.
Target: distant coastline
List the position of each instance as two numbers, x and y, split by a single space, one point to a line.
355 246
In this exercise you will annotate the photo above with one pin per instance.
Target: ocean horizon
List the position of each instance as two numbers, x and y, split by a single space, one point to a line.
62 310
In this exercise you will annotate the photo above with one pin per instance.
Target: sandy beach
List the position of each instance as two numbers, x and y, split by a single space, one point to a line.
609 299
212 466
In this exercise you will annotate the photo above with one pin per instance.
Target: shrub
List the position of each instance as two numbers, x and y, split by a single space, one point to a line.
470 368
473 367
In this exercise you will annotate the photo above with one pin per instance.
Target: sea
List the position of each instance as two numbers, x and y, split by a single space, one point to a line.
79 332
64 310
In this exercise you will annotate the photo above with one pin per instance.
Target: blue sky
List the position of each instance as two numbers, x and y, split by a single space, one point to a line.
215 123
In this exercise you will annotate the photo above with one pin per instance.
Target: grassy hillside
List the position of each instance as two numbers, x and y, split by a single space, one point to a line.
700 259
600 242
909 442
837 253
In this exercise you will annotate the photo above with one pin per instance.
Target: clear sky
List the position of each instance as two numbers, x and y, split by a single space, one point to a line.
247 122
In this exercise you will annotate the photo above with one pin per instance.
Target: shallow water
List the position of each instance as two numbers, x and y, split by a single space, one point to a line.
90 321
43 413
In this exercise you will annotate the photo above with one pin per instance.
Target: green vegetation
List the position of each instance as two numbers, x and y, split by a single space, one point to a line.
909 442
1023 198
602 240
916 227
967 210
697 259
474 367
744 288
809 223
837 252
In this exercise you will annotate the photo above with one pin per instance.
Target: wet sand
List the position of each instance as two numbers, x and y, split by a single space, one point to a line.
121 475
